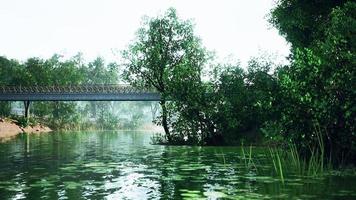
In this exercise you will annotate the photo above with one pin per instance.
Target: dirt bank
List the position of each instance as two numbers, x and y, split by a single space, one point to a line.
9 128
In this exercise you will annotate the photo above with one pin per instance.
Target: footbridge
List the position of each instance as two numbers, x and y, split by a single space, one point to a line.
76 93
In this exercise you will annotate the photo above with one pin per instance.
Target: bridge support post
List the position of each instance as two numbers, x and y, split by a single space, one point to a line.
27 109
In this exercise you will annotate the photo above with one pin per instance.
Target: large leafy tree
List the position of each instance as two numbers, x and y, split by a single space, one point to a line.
318 87
302 22
166 53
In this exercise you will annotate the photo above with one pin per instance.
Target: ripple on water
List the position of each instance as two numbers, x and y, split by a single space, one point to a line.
119 165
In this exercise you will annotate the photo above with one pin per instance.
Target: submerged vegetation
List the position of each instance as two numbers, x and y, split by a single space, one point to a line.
307 107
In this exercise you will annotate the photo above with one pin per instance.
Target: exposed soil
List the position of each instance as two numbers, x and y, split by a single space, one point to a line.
9 128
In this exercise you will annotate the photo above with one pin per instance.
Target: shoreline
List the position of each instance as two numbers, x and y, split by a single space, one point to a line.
9 129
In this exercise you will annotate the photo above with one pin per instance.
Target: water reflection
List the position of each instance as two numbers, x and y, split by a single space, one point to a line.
123 165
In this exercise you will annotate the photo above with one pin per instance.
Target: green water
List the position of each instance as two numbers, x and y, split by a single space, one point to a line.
123 165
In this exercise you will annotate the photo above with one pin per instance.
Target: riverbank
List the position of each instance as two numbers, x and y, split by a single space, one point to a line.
9 128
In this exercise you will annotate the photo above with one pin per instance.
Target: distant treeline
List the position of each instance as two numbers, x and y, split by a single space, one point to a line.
71 115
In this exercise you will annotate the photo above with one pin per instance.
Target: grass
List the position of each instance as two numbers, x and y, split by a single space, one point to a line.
296 162
277 163
221 153
290 160
247 157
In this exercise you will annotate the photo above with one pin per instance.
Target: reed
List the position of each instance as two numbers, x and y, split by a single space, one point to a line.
313 165
247 157
250 161
223 157
277 162
296 162
317 162
243 154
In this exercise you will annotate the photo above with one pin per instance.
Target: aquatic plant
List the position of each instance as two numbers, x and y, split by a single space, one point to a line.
277 164
248 160
313 165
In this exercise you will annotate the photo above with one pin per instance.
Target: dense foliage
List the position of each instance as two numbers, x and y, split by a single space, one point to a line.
318 88
309 103
58 71
165 55
231 106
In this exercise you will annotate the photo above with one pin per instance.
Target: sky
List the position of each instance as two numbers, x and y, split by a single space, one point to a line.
235 29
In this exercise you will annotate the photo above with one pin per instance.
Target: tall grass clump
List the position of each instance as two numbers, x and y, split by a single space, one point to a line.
290 159
277 162
318 162
247 157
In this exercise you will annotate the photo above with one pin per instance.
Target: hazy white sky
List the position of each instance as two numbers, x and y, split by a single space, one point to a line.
98 27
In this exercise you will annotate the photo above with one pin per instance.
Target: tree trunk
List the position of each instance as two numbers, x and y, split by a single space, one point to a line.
153 107
164 119
27 109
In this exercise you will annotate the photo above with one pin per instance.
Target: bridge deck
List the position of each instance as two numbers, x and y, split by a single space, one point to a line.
77 93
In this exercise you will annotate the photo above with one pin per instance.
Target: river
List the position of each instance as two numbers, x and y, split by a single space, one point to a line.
124 165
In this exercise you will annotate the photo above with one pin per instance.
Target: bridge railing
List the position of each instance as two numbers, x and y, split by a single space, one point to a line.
104 89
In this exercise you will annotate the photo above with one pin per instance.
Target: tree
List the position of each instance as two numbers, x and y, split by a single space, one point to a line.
302 22
245 99
97 72
318 89
8 70
164 45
